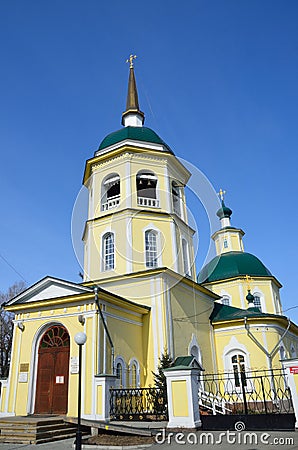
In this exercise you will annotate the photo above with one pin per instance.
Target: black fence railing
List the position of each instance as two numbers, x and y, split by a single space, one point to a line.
253 392
147 404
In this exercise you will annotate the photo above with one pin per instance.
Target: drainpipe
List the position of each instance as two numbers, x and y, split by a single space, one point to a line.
273 351
105 328
254 339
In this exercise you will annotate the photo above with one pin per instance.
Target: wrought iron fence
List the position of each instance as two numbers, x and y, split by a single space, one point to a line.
254 392
138 404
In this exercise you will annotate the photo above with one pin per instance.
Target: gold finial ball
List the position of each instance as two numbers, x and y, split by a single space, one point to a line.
130 60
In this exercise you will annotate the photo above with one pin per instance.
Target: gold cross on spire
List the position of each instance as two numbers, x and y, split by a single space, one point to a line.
221 194
130 60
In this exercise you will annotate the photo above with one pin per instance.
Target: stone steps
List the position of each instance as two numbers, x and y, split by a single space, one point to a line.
35 430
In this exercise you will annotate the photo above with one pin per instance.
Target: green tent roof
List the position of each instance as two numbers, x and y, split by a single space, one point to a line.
232 264
227 313
134 133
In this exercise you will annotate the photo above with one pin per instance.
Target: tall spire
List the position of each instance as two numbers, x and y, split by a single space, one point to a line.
132 116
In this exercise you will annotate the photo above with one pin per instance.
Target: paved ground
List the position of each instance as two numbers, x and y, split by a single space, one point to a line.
229 440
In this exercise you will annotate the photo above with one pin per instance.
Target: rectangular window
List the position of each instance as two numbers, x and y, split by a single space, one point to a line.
257 302
108 245
225 301
151 249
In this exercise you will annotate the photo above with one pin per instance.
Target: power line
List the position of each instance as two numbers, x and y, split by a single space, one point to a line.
13 268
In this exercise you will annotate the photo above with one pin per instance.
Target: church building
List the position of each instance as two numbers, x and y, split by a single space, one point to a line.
141 295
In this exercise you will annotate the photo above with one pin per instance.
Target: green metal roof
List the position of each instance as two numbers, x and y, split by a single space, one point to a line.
183 361
232 264
227 313
143 134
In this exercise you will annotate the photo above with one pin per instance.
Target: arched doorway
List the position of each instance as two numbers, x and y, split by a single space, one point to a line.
52 372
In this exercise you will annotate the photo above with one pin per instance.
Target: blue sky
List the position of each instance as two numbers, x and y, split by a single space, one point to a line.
217 81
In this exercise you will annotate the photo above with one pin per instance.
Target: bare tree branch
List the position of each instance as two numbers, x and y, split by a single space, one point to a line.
6 327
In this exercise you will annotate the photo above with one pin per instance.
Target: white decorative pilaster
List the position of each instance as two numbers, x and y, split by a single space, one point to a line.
183 404
103 385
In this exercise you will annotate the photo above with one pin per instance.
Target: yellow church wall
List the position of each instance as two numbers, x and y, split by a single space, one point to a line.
160 292
99 395
129 224
236 289
144 222
148 291
235 338
190 312
232 341
36 323
129 240
128 341
37 320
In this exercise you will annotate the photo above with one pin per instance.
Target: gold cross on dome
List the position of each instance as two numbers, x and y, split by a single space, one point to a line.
248 281
130 60
221 194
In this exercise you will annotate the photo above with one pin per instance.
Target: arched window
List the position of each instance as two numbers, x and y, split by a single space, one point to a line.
146 189
110 196
185 257
134 373
151 248
282 352
257 301
225 300
238 365
108 248
56 336
176 198
120 371
293 351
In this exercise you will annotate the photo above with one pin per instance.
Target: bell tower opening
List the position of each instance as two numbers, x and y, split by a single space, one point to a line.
110 192
147 189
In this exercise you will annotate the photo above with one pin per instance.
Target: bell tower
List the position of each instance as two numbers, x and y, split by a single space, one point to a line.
137 217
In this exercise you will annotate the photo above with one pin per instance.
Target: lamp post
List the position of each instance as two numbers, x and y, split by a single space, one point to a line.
80 339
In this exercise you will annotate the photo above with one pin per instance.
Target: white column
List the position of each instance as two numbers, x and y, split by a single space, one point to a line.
183 403
103 385
291 366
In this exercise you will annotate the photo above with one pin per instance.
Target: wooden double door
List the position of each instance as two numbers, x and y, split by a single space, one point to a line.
52 372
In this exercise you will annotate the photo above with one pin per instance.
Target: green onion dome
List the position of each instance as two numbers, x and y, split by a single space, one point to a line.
231 265
224 211
142 134
250 298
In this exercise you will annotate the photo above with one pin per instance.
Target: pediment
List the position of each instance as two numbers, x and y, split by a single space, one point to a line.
48 288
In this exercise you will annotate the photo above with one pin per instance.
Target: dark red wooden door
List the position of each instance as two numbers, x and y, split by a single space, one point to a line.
52 372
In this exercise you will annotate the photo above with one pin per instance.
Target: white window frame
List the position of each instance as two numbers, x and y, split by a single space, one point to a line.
106 267
258 293
226 298
185 257
122 381
150 251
